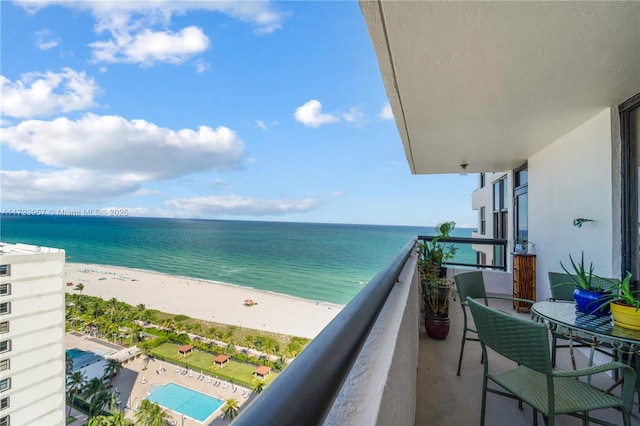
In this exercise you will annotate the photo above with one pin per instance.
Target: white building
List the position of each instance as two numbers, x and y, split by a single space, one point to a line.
32 351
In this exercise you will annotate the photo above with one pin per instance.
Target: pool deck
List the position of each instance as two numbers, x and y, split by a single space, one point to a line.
132 391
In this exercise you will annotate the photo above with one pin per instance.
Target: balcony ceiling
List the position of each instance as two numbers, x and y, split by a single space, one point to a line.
492 83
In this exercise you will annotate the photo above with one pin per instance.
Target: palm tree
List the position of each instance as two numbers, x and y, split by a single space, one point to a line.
112 368
230 409
258 385
140 308
169 324
96 394
117 417
151 414
79 287
136 333
68 362
75 382
148 357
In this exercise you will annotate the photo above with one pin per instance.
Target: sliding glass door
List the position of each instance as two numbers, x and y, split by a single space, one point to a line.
630 134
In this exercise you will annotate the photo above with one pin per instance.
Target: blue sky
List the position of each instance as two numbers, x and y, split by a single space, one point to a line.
223 110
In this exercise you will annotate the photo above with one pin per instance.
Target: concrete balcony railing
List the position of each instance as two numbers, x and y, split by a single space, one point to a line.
361 369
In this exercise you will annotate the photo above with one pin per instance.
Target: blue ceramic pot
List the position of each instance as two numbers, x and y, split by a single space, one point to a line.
588 301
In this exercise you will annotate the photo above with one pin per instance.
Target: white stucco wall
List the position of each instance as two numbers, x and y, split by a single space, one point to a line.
569 179
381 388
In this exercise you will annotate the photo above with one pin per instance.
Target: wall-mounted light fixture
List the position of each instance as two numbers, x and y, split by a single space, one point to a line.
463 169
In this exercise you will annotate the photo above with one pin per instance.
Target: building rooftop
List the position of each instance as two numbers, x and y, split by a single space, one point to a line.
6 248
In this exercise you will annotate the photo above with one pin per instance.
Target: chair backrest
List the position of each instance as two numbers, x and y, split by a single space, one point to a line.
562 285
470 284
521 340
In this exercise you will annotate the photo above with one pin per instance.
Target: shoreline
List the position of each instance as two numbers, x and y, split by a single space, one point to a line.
203 299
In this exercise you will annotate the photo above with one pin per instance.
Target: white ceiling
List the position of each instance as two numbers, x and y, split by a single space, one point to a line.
491 83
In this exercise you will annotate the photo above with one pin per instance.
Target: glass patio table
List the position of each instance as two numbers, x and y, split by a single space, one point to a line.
587 329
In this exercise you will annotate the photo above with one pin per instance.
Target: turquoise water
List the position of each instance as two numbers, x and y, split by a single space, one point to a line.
185 401
326 262
74 353
82 358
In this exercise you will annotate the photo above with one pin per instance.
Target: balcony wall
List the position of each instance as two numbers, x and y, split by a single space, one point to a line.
381 387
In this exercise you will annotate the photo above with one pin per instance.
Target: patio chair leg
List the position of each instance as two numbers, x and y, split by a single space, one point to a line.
464 338
535 416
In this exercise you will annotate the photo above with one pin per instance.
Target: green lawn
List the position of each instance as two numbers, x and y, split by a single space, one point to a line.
232 371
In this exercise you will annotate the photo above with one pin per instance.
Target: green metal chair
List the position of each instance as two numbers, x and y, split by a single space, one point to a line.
561 286
471 284
534 381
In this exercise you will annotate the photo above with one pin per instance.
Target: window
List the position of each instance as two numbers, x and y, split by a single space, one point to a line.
5 345
5 289
482 180
4 327
5 269
5 384
500 219
5 308
521 203
4 421
4 403
4 364
483 221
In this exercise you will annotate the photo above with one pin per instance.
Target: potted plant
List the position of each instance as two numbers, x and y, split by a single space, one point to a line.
625 307
436 294
434 253
522 245
589 294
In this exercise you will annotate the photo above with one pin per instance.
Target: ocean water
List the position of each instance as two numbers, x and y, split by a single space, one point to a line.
324 262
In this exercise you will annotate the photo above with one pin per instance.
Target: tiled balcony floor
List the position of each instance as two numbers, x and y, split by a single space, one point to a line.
445 399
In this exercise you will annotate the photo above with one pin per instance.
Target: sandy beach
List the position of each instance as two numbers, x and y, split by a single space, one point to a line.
206 300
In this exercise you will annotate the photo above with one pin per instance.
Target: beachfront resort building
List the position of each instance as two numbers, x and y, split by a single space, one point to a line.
32 356
546 93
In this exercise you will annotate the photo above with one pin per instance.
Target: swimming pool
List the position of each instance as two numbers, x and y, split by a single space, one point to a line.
185 401
82 358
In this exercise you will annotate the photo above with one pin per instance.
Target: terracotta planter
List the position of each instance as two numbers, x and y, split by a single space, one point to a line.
625 316
437 327
588 301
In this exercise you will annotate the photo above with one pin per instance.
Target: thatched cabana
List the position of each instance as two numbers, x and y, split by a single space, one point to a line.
262 371
185 349
221 360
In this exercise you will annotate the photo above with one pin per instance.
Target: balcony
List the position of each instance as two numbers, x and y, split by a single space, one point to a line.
374 364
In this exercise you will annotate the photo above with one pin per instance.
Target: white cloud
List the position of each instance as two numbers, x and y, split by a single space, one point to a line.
386 113
45 94
237 205
45 40
261 124
310 114
202 66
66 186
115 145
337 194
139 30
354 115
144 192
220 183
96 157
148 47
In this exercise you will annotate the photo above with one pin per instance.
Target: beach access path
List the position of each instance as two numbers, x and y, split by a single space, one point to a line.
206 300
